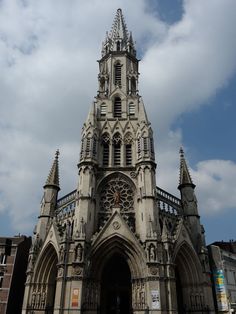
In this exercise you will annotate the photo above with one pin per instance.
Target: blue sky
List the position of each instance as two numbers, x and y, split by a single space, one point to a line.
49 78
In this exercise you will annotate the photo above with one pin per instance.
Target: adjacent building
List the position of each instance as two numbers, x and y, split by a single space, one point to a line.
13 263
223 265
118 243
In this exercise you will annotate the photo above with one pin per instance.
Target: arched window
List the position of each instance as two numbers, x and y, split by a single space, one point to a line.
117 108
128 149
105 145
102 84
82 148
88 146
118 74
103 110
94 146
116 149
131 109
118 46
133 85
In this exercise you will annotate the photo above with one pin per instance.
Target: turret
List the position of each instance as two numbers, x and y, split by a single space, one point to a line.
189 201
49 200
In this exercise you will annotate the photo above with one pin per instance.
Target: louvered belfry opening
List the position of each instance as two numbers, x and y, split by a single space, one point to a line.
105 144
117 108
117 149
128 154
118 74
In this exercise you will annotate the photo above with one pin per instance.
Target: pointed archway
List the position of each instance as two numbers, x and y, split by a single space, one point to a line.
189 289
116 290
44 283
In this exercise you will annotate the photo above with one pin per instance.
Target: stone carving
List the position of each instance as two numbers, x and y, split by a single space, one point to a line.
139 296
152 253
78 253
116 225
153 271
117 192
77 271
117 198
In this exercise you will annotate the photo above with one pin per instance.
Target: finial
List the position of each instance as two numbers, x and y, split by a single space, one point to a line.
57 154
181 152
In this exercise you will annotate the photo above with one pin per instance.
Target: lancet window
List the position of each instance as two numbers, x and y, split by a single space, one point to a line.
117 149
128 149
105 146
94 148
118 74
117 108
103 110
131 109
133 85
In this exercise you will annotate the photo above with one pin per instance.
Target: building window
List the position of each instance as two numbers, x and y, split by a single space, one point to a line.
128 154
145 145
133 85
105 145
88 143
118 74
118 46
117 108
139 147
117 149
94 147
1 278
82 148
2 259
103 110
131 109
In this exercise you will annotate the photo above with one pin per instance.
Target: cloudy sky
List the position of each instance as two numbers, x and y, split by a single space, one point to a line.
48 78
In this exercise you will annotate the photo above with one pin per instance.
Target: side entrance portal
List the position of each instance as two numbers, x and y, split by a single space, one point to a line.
116 287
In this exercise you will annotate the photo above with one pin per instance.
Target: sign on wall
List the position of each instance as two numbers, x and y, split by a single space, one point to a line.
75 297
221 296
155 297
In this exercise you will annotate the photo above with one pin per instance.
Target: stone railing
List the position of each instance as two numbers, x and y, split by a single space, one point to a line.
168 202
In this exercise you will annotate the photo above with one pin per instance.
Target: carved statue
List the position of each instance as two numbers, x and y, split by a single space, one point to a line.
117 198
78 253
152 253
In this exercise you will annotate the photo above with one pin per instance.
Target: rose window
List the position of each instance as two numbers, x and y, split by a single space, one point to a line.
116 193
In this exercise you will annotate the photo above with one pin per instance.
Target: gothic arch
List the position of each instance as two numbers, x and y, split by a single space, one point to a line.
117 244
113 176
44 279
189 284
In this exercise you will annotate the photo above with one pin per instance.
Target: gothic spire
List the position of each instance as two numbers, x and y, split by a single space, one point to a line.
184 175
53 177
119 39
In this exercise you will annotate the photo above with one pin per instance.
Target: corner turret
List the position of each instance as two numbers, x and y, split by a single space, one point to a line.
49 200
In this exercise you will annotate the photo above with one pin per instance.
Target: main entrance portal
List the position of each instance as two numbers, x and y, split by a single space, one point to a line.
116 287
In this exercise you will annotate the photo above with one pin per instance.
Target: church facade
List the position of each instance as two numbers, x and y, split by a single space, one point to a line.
118 243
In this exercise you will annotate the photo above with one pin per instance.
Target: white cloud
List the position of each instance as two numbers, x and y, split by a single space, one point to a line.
215 185
49 77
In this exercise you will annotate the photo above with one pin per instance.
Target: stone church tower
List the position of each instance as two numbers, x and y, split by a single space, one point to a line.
118 244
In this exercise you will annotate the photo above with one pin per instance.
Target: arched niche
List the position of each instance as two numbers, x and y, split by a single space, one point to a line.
44 280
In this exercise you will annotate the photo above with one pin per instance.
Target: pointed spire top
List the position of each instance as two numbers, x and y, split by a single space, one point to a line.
53 177
184 176
119 39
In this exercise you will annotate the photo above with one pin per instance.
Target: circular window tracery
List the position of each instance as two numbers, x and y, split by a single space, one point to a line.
116 193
